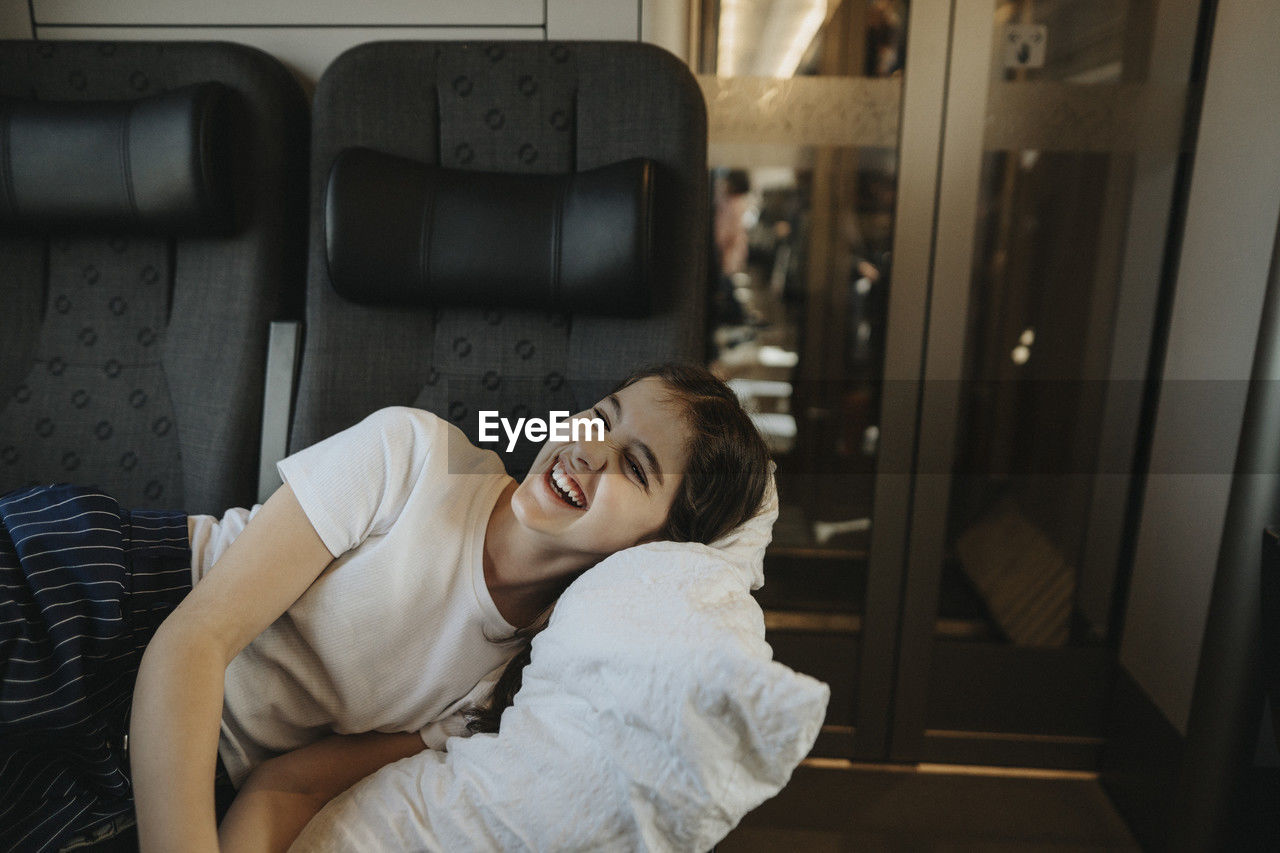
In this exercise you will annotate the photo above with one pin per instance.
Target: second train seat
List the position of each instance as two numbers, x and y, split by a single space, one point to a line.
518 127
152 225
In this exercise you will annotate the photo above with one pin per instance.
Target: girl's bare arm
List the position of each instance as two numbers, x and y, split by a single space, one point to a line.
282 794
177 702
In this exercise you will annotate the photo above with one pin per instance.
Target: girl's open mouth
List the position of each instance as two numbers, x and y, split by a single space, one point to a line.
565 488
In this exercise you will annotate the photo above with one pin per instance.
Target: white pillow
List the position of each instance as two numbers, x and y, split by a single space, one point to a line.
651 717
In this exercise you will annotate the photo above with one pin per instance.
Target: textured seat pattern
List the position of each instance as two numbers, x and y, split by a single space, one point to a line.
522 107
95 406
135 363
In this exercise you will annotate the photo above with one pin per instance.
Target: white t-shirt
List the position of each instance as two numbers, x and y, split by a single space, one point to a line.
398 631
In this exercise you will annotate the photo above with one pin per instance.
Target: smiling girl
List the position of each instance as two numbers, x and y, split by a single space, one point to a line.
354 619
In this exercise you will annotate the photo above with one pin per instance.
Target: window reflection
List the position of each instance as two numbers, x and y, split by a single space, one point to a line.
1078 152
800 256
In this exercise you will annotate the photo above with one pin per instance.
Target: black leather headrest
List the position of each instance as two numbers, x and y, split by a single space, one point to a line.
400 232
157 165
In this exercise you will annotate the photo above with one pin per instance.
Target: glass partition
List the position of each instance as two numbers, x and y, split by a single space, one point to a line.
803 100
1066 130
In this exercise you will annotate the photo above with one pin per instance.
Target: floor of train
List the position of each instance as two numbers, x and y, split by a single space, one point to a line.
868 808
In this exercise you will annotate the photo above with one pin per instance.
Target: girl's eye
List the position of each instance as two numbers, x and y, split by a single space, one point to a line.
639 472
599 414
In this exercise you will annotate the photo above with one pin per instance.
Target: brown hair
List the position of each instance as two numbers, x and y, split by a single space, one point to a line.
723 486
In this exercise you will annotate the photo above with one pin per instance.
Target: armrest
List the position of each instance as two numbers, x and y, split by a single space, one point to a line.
283 349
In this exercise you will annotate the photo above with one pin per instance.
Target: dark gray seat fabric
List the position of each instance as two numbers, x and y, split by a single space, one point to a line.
515 107
135 363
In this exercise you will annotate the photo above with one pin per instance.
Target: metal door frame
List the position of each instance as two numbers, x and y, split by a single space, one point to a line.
919 168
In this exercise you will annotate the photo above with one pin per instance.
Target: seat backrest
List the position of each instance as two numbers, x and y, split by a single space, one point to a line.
516 108
132 352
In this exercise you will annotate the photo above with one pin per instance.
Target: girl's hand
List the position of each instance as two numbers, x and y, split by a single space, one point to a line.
282 794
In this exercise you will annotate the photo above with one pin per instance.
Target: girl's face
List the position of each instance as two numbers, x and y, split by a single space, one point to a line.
595 497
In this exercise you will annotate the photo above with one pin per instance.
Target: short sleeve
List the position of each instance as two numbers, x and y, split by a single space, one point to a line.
355 484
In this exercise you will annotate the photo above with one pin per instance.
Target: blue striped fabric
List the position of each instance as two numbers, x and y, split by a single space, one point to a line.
83 586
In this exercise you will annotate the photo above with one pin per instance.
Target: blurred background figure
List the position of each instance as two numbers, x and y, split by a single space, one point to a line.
732 205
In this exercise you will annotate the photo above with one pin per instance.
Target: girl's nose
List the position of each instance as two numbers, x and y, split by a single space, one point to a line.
589 455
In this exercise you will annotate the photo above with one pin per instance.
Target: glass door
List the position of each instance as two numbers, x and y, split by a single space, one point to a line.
1062 163
819 153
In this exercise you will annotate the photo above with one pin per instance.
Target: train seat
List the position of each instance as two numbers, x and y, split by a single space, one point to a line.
152 225
508 226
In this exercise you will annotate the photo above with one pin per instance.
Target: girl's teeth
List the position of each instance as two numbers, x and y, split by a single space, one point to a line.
558 475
